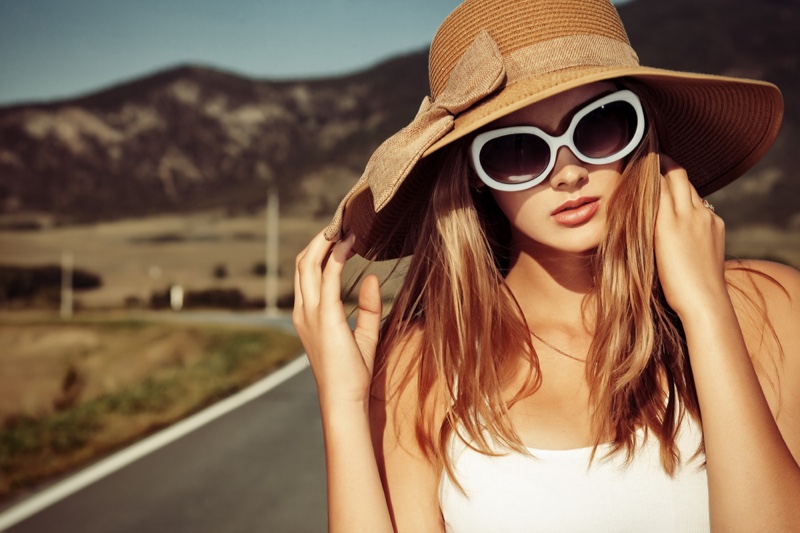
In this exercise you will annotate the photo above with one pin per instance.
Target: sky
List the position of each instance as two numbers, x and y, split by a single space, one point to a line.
52 49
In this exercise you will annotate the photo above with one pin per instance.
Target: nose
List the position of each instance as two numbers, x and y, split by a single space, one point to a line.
569 172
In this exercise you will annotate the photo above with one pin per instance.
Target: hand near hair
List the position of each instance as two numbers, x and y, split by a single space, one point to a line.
341 359
689 244
753 476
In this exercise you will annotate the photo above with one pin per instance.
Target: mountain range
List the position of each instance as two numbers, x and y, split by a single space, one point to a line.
191 138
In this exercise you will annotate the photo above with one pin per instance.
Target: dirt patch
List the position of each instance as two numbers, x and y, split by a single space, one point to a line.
46 366
72 392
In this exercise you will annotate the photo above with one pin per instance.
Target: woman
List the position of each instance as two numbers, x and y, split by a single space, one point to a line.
567 315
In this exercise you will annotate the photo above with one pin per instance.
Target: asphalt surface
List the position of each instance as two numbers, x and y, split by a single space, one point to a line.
259 468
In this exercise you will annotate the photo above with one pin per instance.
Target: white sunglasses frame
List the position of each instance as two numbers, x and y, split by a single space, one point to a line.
555 143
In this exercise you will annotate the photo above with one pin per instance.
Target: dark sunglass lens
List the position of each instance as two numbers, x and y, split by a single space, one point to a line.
515 158
606 130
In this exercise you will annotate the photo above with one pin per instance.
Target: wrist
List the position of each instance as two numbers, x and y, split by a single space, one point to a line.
705 303
343 420
337 407
715 319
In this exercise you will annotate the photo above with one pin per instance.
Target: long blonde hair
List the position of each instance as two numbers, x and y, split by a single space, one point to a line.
473 331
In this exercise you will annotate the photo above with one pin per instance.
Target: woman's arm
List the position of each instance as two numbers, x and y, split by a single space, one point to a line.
342 362
754 480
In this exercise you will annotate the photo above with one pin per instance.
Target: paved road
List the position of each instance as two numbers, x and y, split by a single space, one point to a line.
259 468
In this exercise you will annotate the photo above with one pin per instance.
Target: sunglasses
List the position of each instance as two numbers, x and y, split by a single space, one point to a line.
520 157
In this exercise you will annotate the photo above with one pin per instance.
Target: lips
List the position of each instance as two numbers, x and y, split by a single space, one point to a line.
576 212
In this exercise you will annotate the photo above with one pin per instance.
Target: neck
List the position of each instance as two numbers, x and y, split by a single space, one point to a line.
552 286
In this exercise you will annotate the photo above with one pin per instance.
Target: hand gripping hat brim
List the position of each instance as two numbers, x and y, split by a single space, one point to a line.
493 57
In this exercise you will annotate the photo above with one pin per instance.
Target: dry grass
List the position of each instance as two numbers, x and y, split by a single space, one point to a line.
72 392
136 257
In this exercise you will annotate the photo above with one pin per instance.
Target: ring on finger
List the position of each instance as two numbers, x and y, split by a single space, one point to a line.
707 204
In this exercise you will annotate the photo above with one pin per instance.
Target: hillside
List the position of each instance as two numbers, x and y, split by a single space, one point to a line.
193 138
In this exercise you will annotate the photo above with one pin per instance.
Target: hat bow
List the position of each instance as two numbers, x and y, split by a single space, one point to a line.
478 73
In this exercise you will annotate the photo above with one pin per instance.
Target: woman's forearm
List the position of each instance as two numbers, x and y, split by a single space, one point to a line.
356 501
753 479
342 361
754 482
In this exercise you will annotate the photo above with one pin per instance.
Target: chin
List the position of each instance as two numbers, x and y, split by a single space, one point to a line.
572 245
588 250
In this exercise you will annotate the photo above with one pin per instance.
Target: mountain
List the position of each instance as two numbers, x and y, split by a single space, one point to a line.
192 138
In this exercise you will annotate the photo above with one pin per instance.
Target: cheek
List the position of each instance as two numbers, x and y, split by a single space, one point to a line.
614 181
505 203
518 205
613 172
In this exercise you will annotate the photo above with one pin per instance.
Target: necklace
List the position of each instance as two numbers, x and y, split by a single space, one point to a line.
562 352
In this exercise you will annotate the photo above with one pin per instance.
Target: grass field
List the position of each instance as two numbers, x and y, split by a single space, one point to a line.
136 257
70 392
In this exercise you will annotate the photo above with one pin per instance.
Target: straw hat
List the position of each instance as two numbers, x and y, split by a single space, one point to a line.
490 58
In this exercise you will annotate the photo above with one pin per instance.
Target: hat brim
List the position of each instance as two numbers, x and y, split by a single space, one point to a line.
715 127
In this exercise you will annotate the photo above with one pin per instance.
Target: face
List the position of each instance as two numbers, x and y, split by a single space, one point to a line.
567 211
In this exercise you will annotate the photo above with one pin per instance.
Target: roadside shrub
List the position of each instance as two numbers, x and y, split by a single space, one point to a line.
29 283
230 298
220 271
225 298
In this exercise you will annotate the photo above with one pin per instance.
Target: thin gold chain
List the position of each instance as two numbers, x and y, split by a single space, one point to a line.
562 352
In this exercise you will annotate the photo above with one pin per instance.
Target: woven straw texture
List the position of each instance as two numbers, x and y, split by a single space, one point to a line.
493 57
516 24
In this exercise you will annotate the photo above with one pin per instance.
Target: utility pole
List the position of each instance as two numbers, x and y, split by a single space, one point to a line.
66 285
271 260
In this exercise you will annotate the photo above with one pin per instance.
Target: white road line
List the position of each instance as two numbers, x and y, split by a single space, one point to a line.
111 464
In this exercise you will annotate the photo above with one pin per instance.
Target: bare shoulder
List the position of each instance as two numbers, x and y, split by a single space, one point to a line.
766 275
397 387
410 477
396 365
768 289
766 297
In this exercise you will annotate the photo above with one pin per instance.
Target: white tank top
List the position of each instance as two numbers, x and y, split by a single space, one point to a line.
554 491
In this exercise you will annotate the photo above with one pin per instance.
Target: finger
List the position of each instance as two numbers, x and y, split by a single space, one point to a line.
309 269
368 324
667 163
332 271
666 203
694 198
683 192
298 295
